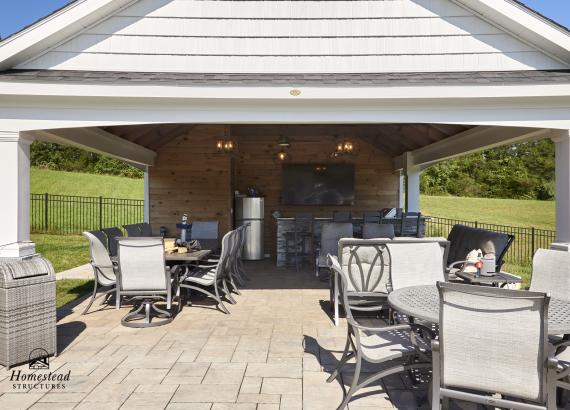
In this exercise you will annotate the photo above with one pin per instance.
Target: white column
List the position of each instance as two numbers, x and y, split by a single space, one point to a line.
412 173
562 144
15 195
146 197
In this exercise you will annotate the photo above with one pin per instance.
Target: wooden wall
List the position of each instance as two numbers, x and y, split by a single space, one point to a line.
190 176
376 186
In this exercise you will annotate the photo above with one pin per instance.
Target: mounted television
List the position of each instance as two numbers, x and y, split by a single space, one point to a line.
328 184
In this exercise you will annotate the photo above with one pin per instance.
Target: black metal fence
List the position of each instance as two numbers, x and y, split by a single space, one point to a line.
527 240
74 214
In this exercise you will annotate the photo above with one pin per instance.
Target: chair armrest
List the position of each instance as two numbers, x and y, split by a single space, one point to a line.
512 275
435 345
454 264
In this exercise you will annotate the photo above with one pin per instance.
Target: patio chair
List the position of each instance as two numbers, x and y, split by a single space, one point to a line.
240 272
376 230
211 277
551 273
389 346
146 229
410 224
133 231
372 217
103 268
144 277
206 232
112 235
416 262
299 242
474 356
366 264
331 233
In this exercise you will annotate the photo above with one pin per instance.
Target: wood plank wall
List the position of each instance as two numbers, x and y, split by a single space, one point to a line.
190 176
376 186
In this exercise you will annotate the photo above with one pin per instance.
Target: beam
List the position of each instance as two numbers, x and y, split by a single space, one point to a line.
99 141
470 141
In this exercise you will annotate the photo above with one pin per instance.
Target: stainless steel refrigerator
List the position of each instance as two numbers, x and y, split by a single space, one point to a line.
250 211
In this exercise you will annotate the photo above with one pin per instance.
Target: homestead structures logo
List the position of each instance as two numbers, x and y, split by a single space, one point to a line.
37 378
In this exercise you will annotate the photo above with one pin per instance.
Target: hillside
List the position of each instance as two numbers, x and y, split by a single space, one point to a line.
75 183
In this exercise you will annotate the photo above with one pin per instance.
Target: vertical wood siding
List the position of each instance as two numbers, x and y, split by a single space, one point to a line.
293 36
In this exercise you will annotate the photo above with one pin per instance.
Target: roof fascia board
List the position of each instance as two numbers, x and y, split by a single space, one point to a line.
55 28
520 22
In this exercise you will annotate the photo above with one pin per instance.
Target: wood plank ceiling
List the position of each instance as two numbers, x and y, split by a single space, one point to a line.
394 139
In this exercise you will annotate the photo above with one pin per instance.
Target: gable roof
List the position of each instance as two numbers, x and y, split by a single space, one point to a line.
510 15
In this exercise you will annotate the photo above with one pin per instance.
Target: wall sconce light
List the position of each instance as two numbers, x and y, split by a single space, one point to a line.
284 142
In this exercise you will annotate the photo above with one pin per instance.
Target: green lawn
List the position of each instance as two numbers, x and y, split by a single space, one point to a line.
75 183
514 212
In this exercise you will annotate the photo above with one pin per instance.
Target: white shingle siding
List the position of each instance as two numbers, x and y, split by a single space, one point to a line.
294 36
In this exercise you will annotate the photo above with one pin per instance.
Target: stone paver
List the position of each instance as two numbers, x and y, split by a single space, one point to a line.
271 353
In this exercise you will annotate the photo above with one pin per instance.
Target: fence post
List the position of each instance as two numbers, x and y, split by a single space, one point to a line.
533 243
100 212
46 211
476 224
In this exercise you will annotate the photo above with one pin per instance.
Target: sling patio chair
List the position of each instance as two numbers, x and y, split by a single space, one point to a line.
390 346
103 268
146 229
211 278
474 358
133 231
551 273
143 277
331 233
112 235
206 232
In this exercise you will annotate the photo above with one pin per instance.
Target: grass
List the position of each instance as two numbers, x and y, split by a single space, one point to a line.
513 212
68 290
75 183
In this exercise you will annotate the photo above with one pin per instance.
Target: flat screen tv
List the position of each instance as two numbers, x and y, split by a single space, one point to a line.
305 184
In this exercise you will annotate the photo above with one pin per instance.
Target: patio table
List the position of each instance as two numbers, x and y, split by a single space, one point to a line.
422 302
499 279
193 256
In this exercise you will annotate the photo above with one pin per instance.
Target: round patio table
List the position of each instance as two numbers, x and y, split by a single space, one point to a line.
422 302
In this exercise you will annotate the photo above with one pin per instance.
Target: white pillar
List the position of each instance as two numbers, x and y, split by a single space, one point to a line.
412 173
15 195
146 197
562 144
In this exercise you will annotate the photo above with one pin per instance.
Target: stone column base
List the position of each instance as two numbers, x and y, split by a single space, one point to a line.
560 246
17 250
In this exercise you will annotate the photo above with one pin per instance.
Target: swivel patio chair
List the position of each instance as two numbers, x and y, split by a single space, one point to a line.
112 235
146 229
474 357
551 273
212 276
390 346
144 278
376 230
366 264
103 268
133 231
331 233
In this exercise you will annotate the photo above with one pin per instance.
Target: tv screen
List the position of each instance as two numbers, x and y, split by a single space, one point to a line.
318 184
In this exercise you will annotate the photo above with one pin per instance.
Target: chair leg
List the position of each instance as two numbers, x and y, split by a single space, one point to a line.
354 385
92 298
234 287
227 292
219 300
346 355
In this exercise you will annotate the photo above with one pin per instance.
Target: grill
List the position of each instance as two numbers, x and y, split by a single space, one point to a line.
27 309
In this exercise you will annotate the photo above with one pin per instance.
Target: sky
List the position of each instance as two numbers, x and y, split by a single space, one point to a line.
18 14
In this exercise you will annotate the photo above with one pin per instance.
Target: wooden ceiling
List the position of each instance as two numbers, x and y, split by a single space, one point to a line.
394 139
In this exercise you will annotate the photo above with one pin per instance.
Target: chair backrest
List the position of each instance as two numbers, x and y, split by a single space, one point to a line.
103 267
228 242
372 217
410 224
493 340
146 229
133 231
465 238
112 234
342 216
101 236
331 233
343 283
366 264
417 262
376 230
551 273
141 264
206 232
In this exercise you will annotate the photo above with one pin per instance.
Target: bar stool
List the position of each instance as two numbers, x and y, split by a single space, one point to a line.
299 241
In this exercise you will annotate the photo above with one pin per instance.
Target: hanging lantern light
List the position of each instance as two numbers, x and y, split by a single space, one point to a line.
282 156
226 144
343 148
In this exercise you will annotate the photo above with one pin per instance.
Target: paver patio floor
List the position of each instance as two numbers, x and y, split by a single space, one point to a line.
272 352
